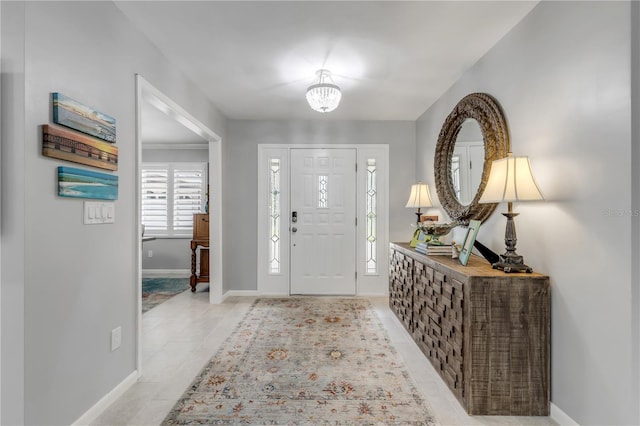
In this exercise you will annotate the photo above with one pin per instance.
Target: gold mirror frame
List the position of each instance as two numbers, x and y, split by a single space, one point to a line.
486 111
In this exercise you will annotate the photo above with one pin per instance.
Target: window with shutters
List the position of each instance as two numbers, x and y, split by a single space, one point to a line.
171 194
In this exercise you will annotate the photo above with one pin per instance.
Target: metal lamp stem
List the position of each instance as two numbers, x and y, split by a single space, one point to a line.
418 214
510 237
511 261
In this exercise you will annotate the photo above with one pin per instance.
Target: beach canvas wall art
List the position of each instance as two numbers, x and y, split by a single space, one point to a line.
71 146
78 183
70 113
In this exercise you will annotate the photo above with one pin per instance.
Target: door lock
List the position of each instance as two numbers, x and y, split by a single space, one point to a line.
294 217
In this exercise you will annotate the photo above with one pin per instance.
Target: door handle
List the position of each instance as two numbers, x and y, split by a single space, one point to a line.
294 229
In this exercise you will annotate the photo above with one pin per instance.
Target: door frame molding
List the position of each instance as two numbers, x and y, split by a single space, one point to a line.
366 284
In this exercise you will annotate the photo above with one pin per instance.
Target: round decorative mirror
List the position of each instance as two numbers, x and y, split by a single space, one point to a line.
467 161
473 135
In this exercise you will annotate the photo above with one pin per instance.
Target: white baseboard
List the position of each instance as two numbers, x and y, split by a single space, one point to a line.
246 293
173 273
99 407
560 417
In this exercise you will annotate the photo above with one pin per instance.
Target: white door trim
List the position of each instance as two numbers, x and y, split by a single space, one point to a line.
148 93
366 284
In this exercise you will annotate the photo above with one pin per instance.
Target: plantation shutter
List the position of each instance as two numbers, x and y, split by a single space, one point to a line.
155 186
188 184
171 194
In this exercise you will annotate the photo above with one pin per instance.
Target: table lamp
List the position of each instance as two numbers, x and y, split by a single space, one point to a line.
511 180
419 198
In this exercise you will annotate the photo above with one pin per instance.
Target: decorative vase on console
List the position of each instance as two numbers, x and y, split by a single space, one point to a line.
436 230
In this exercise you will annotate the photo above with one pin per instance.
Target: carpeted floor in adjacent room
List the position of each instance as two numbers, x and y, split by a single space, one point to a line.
158 290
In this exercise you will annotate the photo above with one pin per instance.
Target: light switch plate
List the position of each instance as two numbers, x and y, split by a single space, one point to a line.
98 212
116 338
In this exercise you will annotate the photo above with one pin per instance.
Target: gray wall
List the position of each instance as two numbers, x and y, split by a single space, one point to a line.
65 284
13 221
634 371
170 253
563 79
241 179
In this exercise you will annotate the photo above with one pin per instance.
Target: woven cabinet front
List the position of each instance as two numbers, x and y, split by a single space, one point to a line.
437 315
487 333
401 288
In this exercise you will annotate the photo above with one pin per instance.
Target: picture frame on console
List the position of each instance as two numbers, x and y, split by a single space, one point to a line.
469 239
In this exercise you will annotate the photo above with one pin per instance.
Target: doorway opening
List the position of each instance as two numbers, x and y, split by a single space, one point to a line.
149 102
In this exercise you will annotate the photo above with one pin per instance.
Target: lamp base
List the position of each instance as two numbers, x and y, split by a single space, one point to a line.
512 263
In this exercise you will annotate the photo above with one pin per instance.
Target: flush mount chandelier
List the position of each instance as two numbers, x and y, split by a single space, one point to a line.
324 95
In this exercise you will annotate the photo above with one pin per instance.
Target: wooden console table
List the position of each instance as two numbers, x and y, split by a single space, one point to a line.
200 239
485 332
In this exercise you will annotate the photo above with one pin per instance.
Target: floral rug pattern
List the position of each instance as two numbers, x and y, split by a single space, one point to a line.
304 361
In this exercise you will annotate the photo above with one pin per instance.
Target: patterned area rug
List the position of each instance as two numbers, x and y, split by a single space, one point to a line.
158 290
304 361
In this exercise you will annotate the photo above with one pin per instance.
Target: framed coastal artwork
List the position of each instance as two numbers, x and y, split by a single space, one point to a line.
64 144
78 183
77 116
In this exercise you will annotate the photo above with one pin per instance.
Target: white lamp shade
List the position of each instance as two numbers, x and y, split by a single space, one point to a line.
419 196
510 179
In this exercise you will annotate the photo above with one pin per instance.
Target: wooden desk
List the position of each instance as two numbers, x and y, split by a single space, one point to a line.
204 263
200 239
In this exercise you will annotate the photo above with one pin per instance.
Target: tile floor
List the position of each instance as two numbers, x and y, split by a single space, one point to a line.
180 335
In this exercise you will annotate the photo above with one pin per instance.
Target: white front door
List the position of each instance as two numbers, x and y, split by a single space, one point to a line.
323 221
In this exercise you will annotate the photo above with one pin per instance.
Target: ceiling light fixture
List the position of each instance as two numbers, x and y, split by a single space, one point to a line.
324 95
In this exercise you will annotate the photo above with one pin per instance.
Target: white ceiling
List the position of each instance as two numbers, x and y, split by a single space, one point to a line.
392 60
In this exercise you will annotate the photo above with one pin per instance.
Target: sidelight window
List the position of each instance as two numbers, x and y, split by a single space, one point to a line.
274 216
371 218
